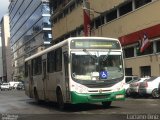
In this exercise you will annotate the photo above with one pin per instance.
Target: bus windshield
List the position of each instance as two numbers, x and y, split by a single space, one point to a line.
96 65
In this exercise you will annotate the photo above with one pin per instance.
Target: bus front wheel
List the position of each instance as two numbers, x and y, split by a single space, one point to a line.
106 104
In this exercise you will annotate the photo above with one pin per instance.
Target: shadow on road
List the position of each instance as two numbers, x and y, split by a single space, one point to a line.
71 107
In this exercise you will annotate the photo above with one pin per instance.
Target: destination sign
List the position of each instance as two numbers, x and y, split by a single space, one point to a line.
93 44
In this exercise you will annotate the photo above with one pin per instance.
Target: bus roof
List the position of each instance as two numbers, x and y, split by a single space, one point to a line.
103 38
65 42
47 50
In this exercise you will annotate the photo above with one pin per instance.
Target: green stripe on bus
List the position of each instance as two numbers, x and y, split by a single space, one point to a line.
96 97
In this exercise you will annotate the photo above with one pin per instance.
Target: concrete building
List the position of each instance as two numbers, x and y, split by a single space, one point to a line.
1 60
30 31
6 49
128 20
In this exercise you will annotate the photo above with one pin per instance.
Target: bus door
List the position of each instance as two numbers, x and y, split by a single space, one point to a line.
45 79
66 74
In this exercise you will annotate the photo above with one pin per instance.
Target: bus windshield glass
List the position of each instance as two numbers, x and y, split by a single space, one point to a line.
96 65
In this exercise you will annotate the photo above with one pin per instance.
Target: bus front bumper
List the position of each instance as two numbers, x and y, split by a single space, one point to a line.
96 97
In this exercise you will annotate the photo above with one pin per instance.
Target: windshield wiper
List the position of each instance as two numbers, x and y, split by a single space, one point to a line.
105 57
86 51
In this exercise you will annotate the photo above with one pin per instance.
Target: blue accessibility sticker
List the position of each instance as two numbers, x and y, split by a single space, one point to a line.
103 74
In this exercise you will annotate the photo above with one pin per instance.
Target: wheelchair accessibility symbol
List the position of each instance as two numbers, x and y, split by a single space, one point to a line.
103 74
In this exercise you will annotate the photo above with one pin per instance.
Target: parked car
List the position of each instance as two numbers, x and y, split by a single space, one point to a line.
13 84
128 81
20 86
5 86
134 87
130 78
150 87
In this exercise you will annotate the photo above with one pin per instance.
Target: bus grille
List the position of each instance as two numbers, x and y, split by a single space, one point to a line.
99 96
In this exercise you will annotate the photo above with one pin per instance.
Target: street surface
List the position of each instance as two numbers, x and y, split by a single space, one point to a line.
16 105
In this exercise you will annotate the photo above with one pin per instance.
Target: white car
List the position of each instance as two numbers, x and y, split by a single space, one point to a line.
150 87
134 87
130 78
13 84
128 81
5 86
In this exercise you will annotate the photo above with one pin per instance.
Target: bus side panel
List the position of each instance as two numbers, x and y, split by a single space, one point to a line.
55 79
51 86
38 84
28 80
27 91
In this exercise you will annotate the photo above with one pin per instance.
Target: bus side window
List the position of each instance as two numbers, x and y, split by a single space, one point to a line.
58 58
51 62
37 66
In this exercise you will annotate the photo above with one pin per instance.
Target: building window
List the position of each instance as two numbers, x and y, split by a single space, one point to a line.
145 71
65 12
79 2
111 15
128 71
73 34
55 5
55 20
139 3
46 22
147 51
125 8
79 31
47 36
99 21
72 7
60 16
129 52
45 8
158 46
59 2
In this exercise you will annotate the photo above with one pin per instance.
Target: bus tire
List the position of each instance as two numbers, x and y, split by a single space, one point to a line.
106 104
60 100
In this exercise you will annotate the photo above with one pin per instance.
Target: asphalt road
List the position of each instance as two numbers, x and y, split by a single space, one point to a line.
15 105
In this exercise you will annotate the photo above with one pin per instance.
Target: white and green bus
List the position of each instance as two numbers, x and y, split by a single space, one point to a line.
77 70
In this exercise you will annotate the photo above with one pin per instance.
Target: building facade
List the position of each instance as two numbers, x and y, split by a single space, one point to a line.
1 60
6 49
30 31
127 20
